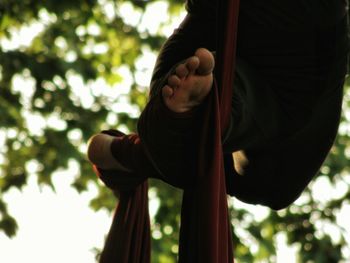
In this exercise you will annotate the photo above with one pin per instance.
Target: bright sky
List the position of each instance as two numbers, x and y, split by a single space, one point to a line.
59 226
53 227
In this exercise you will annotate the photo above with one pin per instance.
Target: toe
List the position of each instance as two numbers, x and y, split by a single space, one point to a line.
181 71
207 61
192 64
167 91
174 81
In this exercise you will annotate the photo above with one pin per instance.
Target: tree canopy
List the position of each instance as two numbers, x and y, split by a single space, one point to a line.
82 66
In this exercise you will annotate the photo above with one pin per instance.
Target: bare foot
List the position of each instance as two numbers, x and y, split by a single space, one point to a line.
190 83
186 88
99 152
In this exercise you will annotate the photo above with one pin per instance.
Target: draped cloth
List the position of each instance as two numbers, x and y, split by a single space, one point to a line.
205 233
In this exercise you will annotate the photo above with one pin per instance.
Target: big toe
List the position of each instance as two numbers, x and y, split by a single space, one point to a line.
206 60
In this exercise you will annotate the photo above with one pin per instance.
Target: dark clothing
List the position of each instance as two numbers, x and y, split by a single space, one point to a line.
286 98
280 14
304 73
285 114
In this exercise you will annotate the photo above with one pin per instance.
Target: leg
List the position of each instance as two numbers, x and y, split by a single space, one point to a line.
182 89
275 174
171 120
167 131
275 177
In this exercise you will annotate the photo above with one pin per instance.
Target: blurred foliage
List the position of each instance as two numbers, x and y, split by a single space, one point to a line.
44 125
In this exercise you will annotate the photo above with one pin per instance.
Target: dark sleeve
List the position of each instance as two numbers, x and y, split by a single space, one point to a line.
204 7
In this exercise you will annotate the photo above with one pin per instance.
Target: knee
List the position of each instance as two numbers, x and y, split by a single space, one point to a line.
276 202
274 196
268 200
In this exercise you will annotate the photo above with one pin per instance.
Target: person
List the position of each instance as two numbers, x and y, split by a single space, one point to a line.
287 95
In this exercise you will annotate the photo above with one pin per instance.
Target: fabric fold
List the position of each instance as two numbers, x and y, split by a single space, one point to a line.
128 240
205 234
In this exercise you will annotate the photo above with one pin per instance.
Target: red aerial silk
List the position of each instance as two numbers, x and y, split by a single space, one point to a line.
205 234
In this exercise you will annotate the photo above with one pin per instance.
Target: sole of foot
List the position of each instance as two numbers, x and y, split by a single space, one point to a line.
190 83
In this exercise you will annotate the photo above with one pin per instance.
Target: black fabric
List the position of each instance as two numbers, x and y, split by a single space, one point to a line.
275 176
277 173
290 14
170 141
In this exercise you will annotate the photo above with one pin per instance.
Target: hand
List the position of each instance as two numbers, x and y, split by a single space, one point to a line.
99 152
